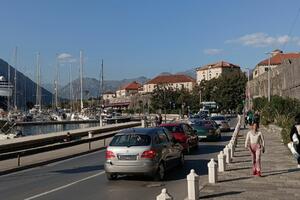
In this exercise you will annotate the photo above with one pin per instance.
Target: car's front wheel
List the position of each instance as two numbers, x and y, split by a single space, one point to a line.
111 176
160 173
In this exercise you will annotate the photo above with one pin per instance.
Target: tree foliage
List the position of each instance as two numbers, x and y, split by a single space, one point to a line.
228 90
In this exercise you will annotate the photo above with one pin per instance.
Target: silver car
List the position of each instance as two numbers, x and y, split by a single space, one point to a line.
146 151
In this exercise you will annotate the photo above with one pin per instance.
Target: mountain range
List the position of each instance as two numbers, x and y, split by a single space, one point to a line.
26 88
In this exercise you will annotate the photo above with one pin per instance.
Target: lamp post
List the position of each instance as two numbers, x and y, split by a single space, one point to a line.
248 96
269 76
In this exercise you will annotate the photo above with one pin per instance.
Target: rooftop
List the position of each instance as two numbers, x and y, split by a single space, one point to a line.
278 58
131 86
177 78
221 64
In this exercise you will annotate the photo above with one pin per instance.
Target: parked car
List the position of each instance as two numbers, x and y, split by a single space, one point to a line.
207 129
145 151
222 122
195 118
184 134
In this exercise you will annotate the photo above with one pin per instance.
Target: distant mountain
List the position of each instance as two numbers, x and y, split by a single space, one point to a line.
191 73
50 86
26 88
91 87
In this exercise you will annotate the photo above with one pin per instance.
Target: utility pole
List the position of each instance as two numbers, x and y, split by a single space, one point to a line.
81 72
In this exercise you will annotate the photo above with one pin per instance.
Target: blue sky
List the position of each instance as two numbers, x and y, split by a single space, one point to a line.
144 37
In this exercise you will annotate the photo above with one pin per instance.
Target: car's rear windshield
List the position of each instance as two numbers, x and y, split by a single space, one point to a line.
203 124
218 118
174 129
131 140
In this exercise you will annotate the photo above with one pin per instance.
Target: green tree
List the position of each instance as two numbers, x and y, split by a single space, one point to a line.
227 90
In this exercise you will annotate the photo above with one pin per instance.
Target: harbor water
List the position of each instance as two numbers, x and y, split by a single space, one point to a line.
50 128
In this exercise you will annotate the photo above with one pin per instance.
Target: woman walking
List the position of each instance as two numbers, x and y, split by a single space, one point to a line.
256 144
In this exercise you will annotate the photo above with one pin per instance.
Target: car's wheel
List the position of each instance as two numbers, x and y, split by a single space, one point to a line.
160 173
111 176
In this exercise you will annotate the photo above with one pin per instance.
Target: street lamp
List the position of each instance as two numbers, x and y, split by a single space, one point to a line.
269 74
248 96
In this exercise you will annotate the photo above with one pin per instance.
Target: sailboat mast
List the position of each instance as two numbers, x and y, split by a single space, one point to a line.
70 83
8 79
15 78
102 79
56 82
81 72
38 79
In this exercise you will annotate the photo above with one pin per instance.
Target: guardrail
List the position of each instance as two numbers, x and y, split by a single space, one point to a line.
42 142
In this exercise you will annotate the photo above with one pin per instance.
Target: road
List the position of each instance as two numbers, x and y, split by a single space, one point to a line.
84 178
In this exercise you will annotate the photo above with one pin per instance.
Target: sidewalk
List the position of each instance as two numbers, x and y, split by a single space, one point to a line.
281 177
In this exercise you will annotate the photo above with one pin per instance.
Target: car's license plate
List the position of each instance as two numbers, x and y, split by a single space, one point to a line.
127 157
202 136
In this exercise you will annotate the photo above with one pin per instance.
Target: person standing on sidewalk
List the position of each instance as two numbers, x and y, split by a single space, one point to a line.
256 144
295 137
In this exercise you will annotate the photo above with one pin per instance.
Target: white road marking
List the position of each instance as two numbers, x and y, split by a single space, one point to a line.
65 186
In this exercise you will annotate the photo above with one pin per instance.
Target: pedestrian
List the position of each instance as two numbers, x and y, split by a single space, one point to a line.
250 117
256 118
159 119
256 144
295 138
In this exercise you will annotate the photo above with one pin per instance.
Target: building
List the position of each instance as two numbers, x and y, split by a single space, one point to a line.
210 71
277 58
177 81
109 95
128 89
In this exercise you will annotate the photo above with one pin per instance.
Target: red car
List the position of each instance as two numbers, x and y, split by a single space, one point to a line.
184 134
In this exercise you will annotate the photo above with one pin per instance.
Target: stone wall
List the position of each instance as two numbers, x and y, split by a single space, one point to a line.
285 81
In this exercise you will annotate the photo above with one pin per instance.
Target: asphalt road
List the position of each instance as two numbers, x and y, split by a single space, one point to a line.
84 178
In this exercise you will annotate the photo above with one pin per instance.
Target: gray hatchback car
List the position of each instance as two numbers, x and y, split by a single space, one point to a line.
145 151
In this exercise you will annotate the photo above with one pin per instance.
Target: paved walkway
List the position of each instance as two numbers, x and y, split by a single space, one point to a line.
281 177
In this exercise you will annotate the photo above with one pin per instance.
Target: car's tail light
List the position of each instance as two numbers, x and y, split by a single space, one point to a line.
149 154
109 155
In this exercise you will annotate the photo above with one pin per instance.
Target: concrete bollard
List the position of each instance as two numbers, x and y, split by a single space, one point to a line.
193 185
101 121
164 195
227 153
230 146
90 134
212 171
143 123
221 162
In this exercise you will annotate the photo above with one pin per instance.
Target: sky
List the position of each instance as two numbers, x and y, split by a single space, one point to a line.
143 37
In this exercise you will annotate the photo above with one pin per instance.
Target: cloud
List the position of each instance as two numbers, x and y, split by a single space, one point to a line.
263 40
66 58
212 51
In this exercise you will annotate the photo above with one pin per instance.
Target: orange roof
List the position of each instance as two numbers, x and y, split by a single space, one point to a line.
131 86
177 78
221 64
278 58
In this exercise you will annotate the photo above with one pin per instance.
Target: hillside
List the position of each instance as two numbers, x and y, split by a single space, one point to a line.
26 88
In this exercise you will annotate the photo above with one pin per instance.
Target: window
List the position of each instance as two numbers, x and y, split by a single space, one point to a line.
162 137
131 140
